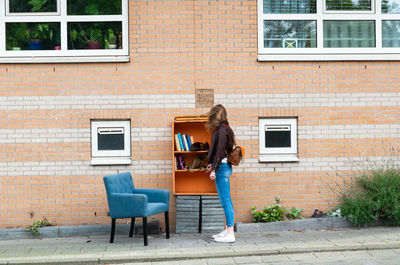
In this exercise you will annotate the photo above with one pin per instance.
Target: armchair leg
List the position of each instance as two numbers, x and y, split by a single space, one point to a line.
112 230
145 230
132 227
167 223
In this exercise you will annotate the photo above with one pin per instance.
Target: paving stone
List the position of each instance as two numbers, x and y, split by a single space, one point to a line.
220 261
194 262
202 248
275 258
246 260
303 257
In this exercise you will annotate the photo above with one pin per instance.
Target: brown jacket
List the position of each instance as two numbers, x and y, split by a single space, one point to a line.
222 141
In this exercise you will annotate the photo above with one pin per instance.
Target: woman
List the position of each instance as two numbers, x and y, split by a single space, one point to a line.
222 142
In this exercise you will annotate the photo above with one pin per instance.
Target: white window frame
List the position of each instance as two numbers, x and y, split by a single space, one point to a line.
328 54
63 55
110 157
278 154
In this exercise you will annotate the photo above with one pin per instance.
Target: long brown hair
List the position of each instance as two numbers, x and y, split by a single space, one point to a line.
216 115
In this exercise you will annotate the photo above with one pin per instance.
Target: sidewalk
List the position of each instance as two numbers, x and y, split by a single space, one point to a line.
98 250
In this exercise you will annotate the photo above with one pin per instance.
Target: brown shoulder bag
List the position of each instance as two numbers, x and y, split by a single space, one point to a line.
236 156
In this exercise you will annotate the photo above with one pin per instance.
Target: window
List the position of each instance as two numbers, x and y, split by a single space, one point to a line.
291 30
278 139
111 142
64 31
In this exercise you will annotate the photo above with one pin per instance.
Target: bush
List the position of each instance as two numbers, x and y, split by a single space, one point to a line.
274 213
359 210
375 195
294 213
271 213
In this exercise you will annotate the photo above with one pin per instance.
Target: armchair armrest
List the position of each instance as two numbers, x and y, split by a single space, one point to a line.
155 195
126 205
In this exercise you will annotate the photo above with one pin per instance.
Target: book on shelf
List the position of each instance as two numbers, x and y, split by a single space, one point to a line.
180 141
177 144
188 141
185 143
181 162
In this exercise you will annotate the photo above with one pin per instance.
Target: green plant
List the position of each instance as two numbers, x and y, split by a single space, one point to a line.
111 38
90 34
383 187
373 195
294 213
41 31
92 9
37 4
34 228
16 35
271 213
95 7
359 210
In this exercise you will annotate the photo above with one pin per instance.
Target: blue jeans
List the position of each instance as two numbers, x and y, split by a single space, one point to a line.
224 191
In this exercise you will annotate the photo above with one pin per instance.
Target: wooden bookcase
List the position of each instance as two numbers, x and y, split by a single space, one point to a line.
191 182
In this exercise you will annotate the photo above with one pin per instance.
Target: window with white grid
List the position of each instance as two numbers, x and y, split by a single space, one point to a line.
328 30
63 31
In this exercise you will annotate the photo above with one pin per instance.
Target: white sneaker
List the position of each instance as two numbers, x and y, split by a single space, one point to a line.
222 233
227 238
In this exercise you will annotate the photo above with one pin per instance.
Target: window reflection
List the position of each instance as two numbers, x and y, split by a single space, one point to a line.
348 5
290 34
390 33
33 36
27 6
94 7
391 6
94 35
349 34
289 6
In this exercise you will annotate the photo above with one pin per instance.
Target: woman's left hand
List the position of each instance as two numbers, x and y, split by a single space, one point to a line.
212 175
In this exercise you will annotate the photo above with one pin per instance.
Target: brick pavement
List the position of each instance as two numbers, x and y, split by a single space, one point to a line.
255 248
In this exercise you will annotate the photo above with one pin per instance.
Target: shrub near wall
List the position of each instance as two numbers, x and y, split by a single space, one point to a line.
374 196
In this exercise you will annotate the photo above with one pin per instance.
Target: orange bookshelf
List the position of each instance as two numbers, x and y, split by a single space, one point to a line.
194 182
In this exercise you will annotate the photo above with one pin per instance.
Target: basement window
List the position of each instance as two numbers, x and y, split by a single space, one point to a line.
278 140
111 143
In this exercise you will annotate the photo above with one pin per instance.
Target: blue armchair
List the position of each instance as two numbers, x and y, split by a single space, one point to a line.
124 201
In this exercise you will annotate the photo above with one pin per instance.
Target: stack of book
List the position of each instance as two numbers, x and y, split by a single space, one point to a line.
183 142
180 163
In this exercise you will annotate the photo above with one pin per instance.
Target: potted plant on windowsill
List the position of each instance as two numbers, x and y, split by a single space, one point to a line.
38 33
111 40
91 36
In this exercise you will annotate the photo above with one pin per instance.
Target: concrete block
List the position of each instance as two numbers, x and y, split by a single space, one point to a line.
153 227
299 224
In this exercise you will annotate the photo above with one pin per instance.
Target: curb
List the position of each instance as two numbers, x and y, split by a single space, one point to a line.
153 227
91 259
297 224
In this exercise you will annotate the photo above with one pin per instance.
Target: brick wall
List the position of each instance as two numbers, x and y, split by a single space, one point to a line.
345 110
